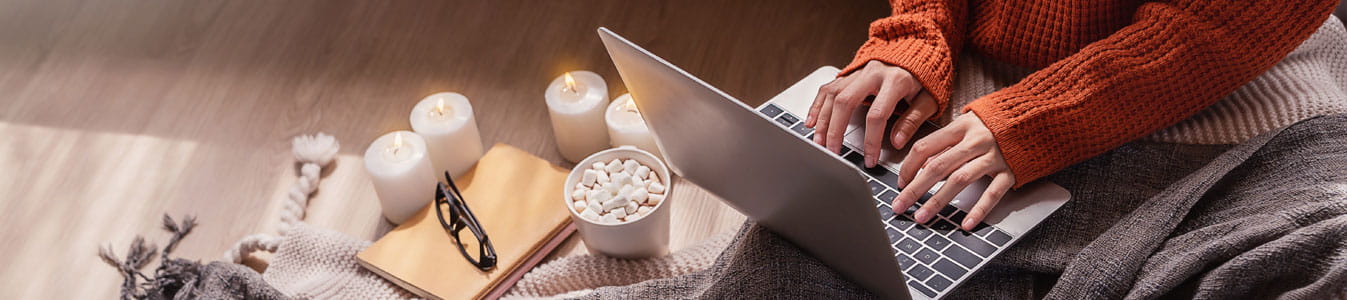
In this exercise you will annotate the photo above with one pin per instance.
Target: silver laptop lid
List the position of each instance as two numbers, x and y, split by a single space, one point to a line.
795 188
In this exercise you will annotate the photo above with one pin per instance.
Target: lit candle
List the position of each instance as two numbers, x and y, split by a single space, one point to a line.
402 174
627 127
575 102
446 122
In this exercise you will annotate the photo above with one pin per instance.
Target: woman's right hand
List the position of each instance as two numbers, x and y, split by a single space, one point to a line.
839 99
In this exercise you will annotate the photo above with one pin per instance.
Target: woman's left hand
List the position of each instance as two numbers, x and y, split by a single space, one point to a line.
960 154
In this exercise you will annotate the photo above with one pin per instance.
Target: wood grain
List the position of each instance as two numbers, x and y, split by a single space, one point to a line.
115 112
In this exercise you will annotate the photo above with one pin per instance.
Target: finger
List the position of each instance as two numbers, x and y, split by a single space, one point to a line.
888 97
937 168
956 182
926 147
823 92
922 108
825 114
923 149
844 104
1001 184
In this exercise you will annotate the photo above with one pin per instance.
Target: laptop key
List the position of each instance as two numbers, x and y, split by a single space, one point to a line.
948 210
937 242
908 246
912 210
942 226
905 261
787 120
982 229
961 256
894 236
919 272
972 243
901 222
919 232
957 218
799 129
887 196
927 256
885 212
771 110
924 290
876 188
998 237
938 283
949 269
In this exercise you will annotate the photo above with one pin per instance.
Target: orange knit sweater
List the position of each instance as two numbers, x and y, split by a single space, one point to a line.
1109 71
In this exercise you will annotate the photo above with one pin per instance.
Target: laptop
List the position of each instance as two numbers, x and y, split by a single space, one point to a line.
761 162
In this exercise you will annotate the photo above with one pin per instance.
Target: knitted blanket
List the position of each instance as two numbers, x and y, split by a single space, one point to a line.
1262 219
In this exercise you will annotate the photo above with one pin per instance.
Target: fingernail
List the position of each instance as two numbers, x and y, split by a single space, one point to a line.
968 224
901 183
921 216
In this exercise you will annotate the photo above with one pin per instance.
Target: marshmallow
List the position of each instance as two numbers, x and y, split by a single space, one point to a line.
643 210
653 177
613 166
612 188
616 202
608 218
642 172
594 207
578 195
625 190
654 199
656 188
600 197
630 166
621 179
630 208
579 205
639 195
589 178
597 166
620 213
602 177
590 215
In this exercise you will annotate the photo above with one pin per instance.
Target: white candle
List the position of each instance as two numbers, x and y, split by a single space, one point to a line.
576 101
627 127
446 122
402 174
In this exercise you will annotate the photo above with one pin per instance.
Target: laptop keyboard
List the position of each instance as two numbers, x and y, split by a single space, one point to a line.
933 256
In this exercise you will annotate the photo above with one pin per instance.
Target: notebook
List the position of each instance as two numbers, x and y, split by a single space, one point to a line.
515 197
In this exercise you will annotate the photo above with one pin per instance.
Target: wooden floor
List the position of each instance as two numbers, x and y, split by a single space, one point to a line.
113 112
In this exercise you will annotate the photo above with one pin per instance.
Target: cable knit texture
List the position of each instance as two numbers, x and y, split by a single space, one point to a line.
1109 72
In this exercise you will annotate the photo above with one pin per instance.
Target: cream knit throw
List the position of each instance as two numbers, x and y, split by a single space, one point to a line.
577 275
310 262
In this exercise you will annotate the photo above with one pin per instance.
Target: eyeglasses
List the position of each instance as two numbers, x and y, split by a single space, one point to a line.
462 217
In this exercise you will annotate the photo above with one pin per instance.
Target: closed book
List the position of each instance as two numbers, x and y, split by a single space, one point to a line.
517 199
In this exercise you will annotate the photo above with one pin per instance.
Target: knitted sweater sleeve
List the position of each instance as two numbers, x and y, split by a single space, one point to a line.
1175 59
922 37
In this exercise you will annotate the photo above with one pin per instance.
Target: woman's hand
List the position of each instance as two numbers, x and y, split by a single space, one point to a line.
961 152
837 100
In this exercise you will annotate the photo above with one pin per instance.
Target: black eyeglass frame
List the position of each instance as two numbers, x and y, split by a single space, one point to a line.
463 218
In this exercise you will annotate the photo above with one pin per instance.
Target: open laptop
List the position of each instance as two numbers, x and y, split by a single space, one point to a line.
761 162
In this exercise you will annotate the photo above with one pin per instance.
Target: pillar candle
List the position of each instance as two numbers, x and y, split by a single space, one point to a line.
627 127
446 122
576 101
403 178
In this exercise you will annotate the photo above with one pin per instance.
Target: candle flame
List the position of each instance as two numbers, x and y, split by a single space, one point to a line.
570 82
439 107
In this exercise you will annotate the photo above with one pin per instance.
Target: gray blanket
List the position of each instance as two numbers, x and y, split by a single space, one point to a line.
1263 219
